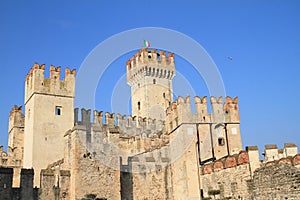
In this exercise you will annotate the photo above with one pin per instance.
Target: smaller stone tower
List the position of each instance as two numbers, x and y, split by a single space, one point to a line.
150 75
49 113
16 136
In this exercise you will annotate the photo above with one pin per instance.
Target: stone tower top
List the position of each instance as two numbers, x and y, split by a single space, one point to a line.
16 118
150 63
37 83
150 75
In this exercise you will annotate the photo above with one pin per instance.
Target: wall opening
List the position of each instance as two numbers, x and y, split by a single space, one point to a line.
139 105
58 110
221 141
154 81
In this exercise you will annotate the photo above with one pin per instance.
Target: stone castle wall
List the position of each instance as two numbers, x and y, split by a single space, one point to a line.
278 181
239 176
186 156
94 168
228 175
55 184
26 191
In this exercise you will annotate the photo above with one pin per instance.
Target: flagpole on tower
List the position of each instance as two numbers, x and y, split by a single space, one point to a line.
146 43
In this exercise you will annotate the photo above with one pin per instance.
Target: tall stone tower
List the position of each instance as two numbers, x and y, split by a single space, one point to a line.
150 75
49 113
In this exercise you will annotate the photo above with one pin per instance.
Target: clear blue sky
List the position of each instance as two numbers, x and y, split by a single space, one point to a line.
262 37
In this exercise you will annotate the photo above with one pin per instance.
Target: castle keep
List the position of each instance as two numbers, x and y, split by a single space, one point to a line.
163 151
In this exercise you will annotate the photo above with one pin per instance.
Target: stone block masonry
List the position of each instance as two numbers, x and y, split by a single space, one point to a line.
276 182
163 151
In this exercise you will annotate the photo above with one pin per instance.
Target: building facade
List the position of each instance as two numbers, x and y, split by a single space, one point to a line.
163 151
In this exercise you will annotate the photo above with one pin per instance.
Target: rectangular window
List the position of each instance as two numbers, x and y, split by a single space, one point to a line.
58 110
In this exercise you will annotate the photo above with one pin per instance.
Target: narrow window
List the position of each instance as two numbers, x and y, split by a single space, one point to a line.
164 95
57 110
139 105
221 141
154 81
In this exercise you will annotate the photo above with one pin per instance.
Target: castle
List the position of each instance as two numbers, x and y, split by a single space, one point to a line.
162 151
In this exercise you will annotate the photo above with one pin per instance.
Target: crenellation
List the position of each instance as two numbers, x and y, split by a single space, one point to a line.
36 82
54 184
98 117
290 149
221 113
231 109
201 109
110 119
217 109
254 159
131 121
179 112
121 120
6 180
55 72
270 153
85 117
249 156
116 123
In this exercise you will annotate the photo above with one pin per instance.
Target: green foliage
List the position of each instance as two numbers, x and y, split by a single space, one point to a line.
92 197
214 192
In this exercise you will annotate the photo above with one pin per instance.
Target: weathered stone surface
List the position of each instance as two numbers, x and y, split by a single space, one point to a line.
279 181
183 155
